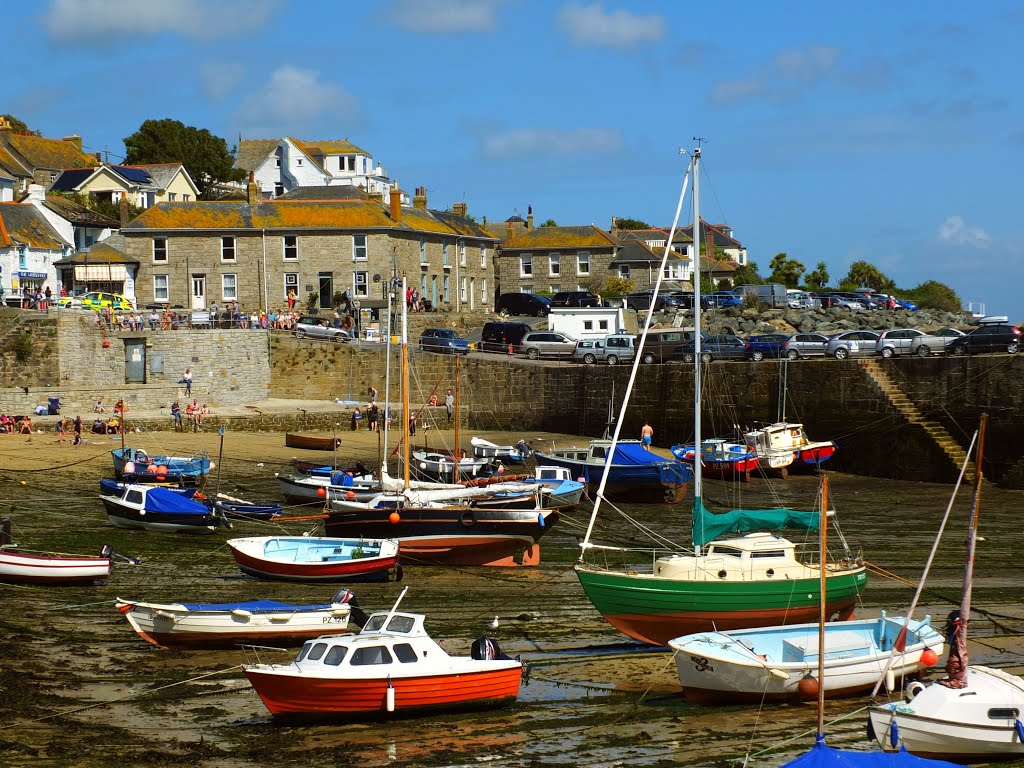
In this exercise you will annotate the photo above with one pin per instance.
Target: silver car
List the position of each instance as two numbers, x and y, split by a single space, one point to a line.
906 341
320 328
588 351
852 344
805 345
547 344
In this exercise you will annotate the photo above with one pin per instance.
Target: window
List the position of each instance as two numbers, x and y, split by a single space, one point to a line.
227 249
359 283
588 325
483 257
423 250
462 253
554 264
159 249
526 289
298 161
526 265
463 295
186 198
445 289
291 247
229 287
583 263
373 654
317 651
624 271
358 247
404 652
444 254
291 283
278 189
22 257
171 197
483 290
335 655
277 161
160 288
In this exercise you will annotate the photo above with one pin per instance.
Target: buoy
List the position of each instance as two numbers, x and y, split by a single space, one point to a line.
929 657
807 687
890 680
350 495
162 469
24 483
389 700
894 734
129 467
161 478
540 519
321 492
395 518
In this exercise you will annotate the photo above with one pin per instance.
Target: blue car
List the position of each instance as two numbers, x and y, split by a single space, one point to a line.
720 299
765 345
443 340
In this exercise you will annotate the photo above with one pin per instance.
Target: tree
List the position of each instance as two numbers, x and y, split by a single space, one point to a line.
862 274
935 295
626 223
550 223
747 274
818 279
15 124
785 270
619 286
205 156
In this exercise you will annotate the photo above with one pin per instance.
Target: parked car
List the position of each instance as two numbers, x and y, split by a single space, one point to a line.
662 342
588 351
502 337
848 301
538 344
97 300
521 304
805 345
574 299
721 347
907 341
993 337
826 300
619 348
852 344
797 299
320 328
721 300
765 345
641 301
443 340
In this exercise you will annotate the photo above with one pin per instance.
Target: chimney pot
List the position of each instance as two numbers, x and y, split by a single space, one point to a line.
395 201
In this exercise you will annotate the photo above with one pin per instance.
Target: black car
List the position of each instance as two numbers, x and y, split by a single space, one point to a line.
987 338
641 301
443 340
723 347
574 299
503 337
520 304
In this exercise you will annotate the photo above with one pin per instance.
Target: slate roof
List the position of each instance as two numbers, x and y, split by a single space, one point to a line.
555 238
505 230
24 223
79 214
70 180
10 164
637 251
653 234
253 152
109 251
338 192
717 236
40 152
161 174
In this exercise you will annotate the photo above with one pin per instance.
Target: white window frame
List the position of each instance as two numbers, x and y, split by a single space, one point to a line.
171 197
462 254
444 253
423 250
285 247
161 283
483 291
583 257
554 265
185 198
360 248
160 253
360 288
526 288
445 288
291 285
526 265
483 257
229 286
228 248
624 271
463 290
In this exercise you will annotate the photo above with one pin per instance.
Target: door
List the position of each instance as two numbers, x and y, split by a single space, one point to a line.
198 291
326 289
135 361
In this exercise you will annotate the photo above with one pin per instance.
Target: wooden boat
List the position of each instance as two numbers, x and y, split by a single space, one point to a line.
754 579
720 457
315 489
314 559
768 664
783 444
392 667
24 567
438 465
507 454
310 442
155 508
633 468
225 625
135 465
974 713
238 509
563 491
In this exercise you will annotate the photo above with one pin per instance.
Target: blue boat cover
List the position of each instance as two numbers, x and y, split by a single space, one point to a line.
632 454
167 501
823 756
708 526
116 488
256 606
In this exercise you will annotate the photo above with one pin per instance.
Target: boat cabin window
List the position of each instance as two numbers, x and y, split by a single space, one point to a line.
304 651
135 497
403 624
727 551
768 553
317 651
1003 714
372 654
335 655
600 452
404 652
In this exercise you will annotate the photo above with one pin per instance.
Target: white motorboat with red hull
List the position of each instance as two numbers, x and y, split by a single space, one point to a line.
391 668
226 625
20 567
314 559
784 445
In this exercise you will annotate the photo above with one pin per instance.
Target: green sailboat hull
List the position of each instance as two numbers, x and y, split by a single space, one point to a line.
655 609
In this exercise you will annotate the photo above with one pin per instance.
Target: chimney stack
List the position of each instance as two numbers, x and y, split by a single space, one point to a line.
460 209
252 190
395 202
75 140
529 217
615 225
419 200
123 210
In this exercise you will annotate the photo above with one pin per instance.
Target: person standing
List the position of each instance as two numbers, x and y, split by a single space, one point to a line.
372 417
187 378
647 435
60 430
449 404
78 431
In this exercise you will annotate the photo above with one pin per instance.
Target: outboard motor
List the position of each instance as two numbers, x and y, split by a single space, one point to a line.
356 615
486 649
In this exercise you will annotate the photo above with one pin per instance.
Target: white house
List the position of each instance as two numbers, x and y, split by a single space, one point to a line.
29 246
586 322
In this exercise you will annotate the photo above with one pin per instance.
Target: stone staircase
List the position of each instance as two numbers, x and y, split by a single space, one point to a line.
903 404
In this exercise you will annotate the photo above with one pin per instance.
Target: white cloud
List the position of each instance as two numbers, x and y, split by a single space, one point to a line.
954 230
551 141
591 25
296 101
219 78
782 79
98 21
445 16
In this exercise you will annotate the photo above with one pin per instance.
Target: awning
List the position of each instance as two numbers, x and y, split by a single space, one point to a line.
97 272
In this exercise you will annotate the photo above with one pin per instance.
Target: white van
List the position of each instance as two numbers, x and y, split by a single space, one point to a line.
772 294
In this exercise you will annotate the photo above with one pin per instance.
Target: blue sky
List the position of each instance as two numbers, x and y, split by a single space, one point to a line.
888 132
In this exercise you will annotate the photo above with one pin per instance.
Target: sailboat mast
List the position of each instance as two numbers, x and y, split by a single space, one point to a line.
458 463
822 549
972 536
387 374
405 387
695 276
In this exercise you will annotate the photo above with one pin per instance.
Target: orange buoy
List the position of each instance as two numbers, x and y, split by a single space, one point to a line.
929 657
807 687
350 495
395 518
321 492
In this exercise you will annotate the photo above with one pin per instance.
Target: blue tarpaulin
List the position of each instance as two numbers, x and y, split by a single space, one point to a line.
167 501
631 454
823 756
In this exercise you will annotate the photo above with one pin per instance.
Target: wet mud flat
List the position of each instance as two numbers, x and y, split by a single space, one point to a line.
78 687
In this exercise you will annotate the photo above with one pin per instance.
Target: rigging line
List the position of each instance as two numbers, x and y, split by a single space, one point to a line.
63 466
804 735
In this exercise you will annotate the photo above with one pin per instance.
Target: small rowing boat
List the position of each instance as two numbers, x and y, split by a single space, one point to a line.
311 443
20 567
312 558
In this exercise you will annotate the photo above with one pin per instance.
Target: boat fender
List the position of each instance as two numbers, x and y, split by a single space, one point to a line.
241 613
890 680
778 673
468 519
540 519
164 615
894 734
913 689
389 699
129 467
1020 730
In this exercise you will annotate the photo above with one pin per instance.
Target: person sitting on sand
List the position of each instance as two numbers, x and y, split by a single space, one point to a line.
25 426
